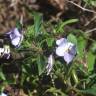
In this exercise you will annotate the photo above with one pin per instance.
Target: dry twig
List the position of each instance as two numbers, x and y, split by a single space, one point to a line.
87 23
84 9
91 30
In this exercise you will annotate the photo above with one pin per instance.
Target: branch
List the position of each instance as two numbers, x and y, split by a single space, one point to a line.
89 31
84 9
86 24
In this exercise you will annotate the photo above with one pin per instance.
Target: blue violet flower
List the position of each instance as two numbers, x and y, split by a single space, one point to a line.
16 37
65 49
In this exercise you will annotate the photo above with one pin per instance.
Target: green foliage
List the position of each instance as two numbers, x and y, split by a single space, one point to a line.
72 38
81 46
59 28
2 76
37 22
50 41
41 64
64 79
55 92
93 47
91 2
90 60
90 91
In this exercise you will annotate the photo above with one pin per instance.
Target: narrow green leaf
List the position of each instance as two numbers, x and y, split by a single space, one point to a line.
90 60
56 91
74 75
67 22
81 46
41 64
91 91
37 22
2 76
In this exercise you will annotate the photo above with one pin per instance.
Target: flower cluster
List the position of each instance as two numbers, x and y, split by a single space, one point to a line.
16 38
64 49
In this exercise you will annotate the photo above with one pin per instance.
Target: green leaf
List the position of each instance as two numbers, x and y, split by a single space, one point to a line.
70 21
37 22
93 3
90 2
56 91
50 42
2 76
81 46
93 47
41 64
91 91
74 76
90 60
72 38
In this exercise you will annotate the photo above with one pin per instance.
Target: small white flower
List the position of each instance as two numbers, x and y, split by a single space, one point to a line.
1 51
5 52
3 94
16 37
65 49
50 64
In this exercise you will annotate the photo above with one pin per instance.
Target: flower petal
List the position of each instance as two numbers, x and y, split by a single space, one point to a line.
63 48
61 41
6 53
17 41
1 50
16 32
70 54
60 51
72 50
3 94
68 57
6 56
50 64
